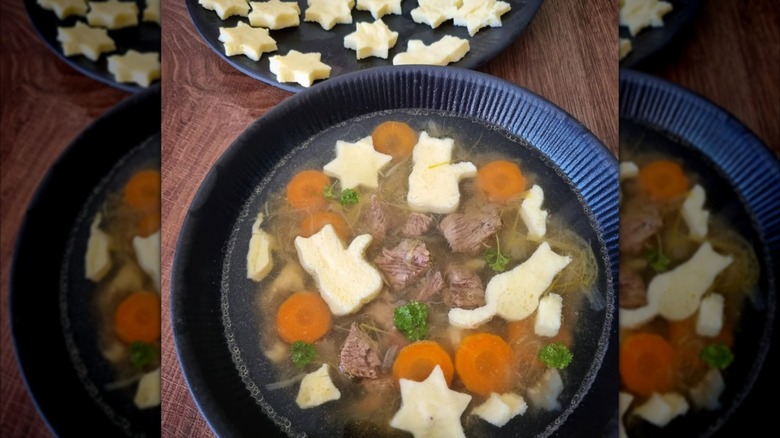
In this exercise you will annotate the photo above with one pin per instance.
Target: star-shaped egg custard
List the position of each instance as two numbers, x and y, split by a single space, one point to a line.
329 13
226 8
357 164
303 68
84 40
430 408
274 14
378 8
65 8
371 39
134 66
112 14
246 40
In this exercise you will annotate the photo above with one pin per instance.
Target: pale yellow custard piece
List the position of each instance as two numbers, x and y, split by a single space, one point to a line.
226 8
246 40
112 14
274 14
303 68
134 66
85 40
65 8
379 8
435 12
329 13
624 48
442 52
152 11
637 15
371 39
476 14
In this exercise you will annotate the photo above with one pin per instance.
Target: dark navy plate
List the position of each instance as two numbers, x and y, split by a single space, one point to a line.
51 306
144 38
215 325
650 43
311 37
746 178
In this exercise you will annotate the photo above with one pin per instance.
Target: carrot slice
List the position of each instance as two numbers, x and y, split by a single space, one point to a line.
483 362
314 222
303 316
137 318
647 363
662 180
501 180
306 190
143 191
417 360
396 139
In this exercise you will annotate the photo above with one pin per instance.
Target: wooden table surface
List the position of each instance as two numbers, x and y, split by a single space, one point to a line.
568 54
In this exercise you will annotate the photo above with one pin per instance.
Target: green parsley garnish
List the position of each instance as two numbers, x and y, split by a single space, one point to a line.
349 197
555 355
412 320
495 259
141 354
717 355
657 260
302 353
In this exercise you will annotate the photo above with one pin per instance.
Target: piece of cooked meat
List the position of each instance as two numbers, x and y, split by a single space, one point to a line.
404 264
416 225
639 220
359 357
633 292
464 288
430 286
377 218
465 232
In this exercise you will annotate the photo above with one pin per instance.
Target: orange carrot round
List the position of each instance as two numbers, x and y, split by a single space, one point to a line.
647 363
143 190
396 139
501 180
662 180
137 318
314 222
483 362
303 316
417 360
306 191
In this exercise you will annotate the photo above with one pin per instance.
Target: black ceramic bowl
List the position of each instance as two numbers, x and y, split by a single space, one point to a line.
51 307
742 178
216 329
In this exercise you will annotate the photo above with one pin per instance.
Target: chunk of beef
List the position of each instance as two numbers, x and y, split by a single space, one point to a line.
416 225
639 221
430 286
464 288
633 292
465 232
404 264
377 218
358 356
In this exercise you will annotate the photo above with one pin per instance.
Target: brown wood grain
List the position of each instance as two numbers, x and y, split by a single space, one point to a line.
731 55
45 105
568 54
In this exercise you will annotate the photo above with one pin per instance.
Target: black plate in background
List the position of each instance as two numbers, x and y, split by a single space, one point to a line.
311 37
211 299
41 341
144 38
651 42
745 176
